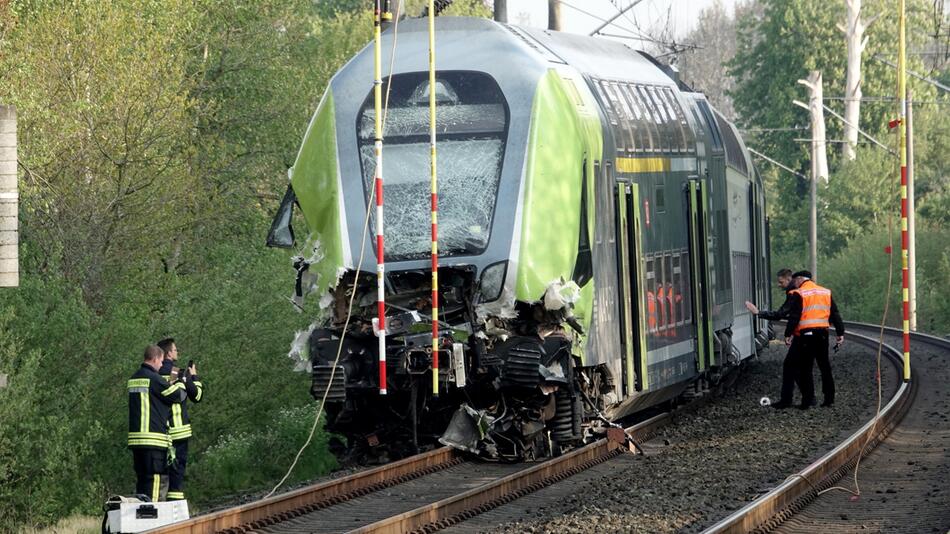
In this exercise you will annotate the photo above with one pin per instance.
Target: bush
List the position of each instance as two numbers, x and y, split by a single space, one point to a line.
253 461
858 279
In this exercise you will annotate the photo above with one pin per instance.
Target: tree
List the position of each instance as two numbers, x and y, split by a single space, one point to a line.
714 45
780 44
104 133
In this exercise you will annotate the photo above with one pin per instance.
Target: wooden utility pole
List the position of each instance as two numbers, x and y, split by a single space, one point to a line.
911 245
554 15
501 10
9 255
819 157
857 41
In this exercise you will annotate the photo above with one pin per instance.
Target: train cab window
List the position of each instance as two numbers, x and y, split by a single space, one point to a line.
473 126
660 201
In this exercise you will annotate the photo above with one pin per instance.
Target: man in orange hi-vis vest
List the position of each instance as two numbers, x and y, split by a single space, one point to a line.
812 312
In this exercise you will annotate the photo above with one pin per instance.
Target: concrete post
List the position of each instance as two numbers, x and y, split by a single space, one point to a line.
9 256
501 11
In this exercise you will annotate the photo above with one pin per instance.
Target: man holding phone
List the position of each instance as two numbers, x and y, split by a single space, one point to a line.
179 424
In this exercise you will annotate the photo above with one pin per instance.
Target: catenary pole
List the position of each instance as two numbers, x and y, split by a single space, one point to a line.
500 11
902 134
435 205
554 15
911 234
378 186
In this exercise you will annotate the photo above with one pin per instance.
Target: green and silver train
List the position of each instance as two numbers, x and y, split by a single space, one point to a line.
600 227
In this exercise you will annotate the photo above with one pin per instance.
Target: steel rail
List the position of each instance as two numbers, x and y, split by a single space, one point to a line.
291 504
463 506
801 488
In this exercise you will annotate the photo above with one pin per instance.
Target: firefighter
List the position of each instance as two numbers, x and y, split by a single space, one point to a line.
811 312
179 424
150 401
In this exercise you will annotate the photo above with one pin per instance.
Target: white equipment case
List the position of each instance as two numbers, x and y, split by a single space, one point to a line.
133 515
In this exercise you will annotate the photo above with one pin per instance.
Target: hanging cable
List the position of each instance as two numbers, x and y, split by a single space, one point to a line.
880 393
349 310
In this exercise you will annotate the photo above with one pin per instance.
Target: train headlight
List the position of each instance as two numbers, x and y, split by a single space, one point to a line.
493 279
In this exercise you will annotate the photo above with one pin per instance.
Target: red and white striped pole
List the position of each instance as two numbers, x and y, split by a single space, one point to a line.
435 206
378 186
905 274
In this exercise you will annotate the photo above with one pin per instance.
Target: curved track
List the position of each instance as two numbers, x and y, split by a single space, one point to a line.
902 480
438 489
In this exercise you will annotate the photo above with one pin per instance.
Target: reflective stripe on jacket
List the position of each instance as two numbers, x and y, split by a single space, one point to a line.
179 423
150 401
816 306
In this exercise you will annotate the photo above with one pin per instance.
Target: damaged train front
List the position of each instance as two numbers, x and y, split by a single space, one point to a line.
508 382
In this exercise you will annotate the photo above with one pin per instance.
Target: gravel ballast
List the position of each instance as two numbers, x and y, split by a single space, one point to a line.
710 462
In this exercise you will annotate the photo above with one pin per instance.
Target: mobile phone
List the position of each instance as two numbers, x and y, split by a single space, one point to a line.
191 363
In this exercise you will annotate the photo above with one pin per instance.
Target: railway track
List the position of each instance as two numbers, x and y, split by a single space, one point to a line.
439 489
422 493
903 475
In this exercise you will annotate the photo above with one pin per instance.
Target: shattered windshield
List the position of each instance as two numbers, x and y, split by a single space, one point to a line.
471 127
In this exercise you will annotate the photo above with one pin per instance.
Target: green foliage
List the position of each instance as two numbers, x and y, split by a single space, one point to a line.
859 278
861 197
155 136
223 467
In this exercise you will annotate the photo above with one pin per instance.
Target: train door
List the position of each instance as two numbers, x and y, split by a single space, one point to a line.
627 204
697 201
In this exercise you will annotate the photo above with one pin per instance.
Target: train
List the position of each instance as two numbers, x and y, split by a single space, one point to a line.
600 227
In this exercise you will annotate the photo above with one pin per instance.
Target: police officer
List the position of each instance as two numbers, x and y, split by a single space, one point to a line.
179 424
150 401
813 311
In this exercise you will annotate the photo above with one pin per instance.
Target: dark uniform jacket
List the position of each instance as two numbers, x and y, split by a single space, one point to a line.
779 314
179 424
795 314
150 402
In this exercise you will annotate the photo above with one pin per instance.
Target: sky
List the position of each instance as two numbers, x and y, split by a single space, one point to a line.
650 15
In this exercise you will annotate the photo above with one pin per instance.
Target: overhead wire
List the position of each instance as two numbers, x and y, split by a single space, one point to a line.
349 311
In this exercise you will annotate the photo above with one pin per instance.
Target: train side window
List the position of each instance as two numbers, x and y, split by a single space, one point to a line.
660 201
608 106
649 119
643 120
626 115
711 124
679 120
651 294
636 121
666 133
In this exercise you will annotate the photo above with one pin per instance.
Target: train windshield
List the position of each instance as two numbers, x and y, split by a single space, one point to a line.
471 128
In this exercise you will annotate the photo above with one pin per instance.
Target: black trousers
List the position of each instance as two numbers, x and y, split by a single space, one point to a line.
176 471
817 345
796 370
150 472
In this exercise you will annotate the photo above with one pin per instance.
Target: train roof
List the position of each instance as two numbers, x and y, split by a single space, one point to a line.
469 43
